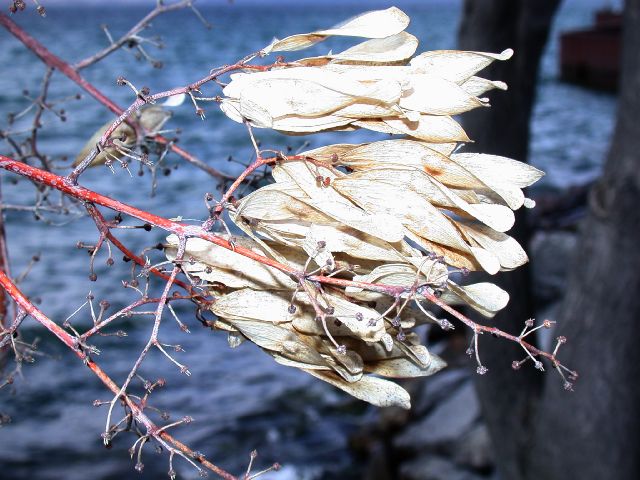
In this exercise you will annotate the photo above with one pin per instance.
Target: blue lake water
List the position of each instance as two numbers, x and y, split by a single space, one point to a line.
240 399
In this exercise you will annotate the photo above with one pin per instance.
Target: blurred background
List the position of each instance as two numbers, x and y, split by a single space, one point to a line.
559 114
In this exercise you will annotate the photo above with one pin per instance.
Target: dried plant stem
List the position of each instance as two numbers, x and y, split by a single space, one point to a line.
129 309
41 106
141 25
186 231
103 226
153 430
143 99
259 162
4 267
478 328
153 341
56 62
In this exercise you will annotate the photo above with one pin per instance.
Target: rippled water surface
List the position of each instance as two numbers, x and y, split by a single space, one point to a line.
239 398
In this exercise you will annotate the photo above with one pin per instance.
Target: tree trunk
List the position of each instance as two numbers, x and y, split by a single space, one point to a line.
493 25
593 433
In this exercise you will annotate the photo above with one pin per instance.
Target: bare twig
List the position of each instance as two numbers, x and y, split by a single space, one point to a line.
131 35
186 231
159 434
53 61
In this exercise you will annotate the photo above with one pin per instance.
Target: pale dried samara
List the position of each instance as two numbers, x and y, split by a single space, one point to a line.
411 212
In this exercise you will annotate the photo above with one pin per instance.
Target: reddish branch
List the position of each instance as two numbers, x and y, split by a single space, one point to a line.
186 231
130 35
137 410
4 267
105 229
56 62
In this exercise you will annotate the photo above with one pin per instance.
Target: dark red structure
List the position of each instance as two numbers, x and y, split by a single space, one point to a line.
591 57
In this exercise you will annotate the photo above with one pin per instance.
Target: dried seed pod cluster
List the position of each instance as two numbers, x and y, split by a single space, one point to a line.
398 213
374 85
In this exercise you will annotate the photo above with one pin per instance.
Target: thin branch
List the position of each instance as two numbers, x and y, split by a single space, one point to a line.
137 410
56 62
143 98
4 265
138 27
187 231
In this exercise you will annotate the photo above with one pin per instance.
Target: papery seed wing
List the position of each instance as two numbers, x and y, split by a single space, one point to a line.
366 73
264 334
433 95
287 362
454 65
403 368
362 110
376 391
378 194
335 205
308 325
278 339
486 298
293 125
403 275
407 153
231 108
508 251
355 243
344 373
470 257
282 97
273 204
498 217
392 49
257 305
387 90
374 24
303 350
430 128
214 263
376 125
503 175
477 86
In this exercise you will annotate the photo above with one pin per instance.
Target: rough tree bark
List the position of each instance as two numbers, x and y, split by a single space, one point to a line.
593 433
539 430
493 25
